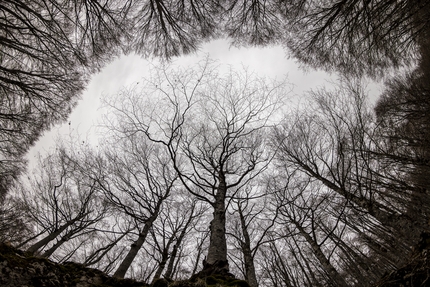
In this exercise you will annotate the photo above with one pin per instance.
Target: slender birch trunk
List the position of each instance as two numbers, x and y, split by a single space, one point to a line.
176 246
161 265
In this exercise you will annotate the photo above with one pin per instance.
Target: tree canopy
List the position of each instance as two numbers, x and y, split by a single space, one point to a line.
334 194
50 48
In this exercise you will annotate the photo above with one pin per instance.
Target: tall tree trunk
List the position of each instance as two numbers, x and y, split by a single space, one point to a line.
305 266
60 242
51 236
248 257
325 263
218 244
172 258
177 244
199 254
135 247
164 258
250 276
161 265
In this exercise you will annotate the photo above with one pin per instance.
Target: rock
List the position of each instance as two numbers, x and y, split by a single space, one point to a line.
161 282
20 269
220 267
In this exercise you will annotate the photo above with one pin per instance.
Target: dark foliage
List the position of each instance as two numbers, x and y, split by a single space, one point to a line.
415 272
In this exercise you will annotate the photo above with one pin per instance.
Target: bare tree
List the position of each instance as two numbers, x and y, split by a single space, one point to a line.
188 222
14 227
403 125
335 149
254 22
302 206
175 223
356 37
252 226
335 145
137 178
61 201
172 28
212 128
48 50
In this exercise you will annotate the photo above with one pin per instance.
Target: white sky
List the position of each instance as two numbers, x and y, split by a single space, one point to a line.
128 70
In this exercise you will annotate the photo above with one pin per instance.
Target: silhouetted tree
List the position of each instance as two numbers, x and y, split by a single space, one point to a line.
211 126
48 50
61 202
356 36
137 178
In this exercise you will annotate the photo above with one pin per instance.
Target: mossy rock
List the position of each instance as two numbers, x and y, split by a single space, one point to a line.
182 283
221 280
24 269
160 282
115 282
238 283
211 280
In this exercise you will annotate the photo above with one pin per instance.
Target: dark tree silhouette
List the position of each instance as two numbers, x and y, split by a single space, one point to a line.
356 36
48 50
61 202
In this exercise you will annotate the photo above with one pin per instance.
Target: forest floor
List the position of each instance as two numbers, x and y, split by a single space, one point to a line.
18 268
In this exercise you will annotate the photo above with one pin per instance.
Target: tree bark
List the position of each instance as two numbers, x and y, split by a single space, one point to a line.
60 242
248 257
325 263
217 243
51 236
135 247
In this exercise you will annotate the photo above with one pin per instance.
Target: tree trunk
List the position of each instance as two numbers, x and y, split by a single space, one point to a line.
325 263
60 242
164 258
161 265
173 255
250 276
135 247
51 236
199 254
178 243
218 244
308 271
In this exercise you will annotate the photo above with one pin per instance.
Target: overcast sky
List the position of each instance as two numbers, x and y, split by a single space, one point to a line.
128 70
